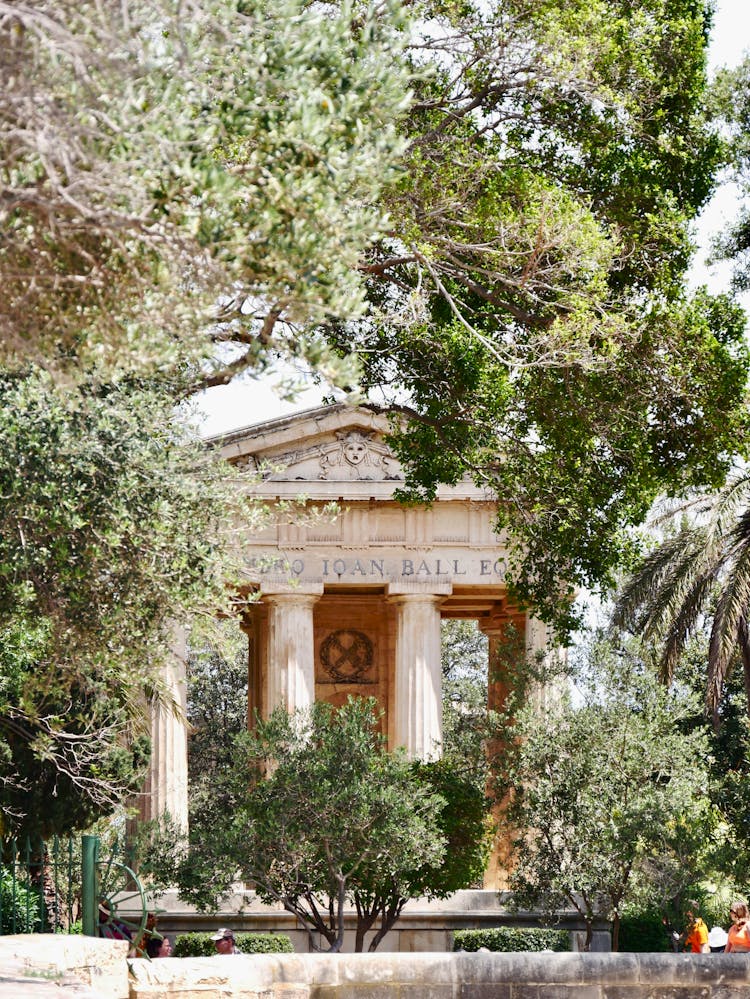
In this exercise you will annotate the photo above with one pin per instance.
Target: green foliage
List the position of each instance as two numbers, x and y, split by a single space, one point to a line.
239 165
201 944
529 317
499 253
510 939
217 715
464 822
329 816
699 568
643 932
19 905
607 796
109 532
731 97
465 716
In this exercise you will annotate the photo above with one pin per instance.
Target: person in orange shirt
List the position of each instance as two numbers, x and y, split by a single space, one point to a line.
696 938
739 931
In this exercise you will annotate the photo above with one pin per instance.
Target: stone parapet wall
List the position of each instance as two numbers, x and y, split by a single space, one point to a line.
102 966
446 976
48 965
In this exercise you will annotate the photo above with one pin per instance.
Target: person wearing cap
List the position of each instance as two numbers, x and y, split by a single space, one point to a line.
739 931
696 938
224 942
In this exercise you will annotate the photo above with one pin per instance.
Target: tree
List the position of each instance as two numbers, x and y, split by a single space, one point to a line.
606 794
730 92
700 569
217 716
109 533
529 320
728 788
466 720
331 817
173 180
503 250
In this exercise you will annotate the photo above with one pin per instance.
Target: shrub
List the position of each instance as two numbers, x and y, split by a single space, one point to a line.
643 933
19 906
509 938
201 944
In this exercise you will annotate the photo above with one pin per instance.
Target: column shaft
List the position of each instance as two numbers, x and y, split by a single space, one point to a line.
419 707
291 651
167 784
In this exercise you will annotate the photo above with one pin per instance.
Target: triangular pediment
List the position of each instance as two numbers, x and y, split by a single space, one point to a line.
329 444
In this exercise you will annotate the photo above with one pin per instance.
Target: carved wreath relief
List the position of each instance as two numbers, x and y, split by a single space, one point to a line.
347 656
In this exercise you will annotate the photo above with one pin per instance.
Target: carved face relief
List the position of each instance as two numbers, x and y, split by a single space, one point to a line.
355 448
351 456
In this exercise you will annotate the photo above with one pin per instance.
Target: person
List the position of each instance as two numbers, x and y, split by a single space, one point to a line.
673 935
739 931
717 939
696 938
158 947
224 942
110 927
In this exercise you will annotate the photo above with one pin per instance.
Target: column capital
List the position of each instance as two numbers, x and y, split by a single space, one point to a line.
398 595
291 598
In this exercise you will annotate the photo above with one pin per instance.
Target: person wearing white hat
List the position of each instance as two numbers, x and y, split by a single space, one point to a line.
224 942
717 939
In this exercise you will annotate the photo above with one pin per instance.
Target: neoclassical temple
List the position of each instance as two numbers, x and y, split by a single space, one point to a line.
350 602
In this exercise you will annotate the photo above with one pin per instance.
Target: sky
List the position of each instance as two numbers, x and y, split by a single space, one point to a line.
249 401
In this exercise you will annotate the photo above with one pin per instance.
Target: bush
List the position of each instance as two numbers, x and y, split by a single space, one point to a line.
508 938
643 933
19 906
201 944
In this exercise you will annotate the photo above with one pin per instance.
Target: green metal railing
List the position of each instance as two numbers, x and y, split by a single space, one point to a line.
65 886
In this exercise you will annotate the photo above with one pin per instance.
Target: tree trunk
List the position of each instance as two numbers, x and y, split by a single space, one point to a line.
616 933
388 918
340 899
365 919
589 935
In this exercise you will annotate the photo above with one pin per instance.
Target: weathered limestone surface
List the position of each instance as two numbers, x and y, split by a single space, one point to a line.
446 976
50 966
53 967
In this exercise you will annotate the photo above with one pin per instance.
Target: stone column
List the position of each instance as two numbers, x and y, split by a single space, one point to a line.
418 693
291 651
167 783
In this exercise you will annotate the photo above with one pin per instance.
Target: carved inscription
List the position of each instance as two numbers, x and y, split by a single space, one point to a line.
361 568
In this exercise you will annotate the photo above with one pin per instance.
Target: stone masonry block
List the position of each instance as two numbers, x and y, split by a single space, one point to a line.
552 991
722 969
669 969
484 990
677 992
730 992
606 969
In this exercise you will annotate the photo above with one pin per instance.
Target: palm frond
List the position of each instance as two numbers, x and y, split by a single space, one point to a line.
682 624
731 610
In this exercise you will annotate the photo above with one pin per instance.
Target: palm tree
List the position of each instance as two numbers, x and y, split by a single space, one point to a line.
700 574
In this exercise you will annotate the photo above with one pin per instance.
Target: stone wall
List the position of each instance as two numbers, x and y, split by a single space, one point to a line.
46 965
103 966
446 976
